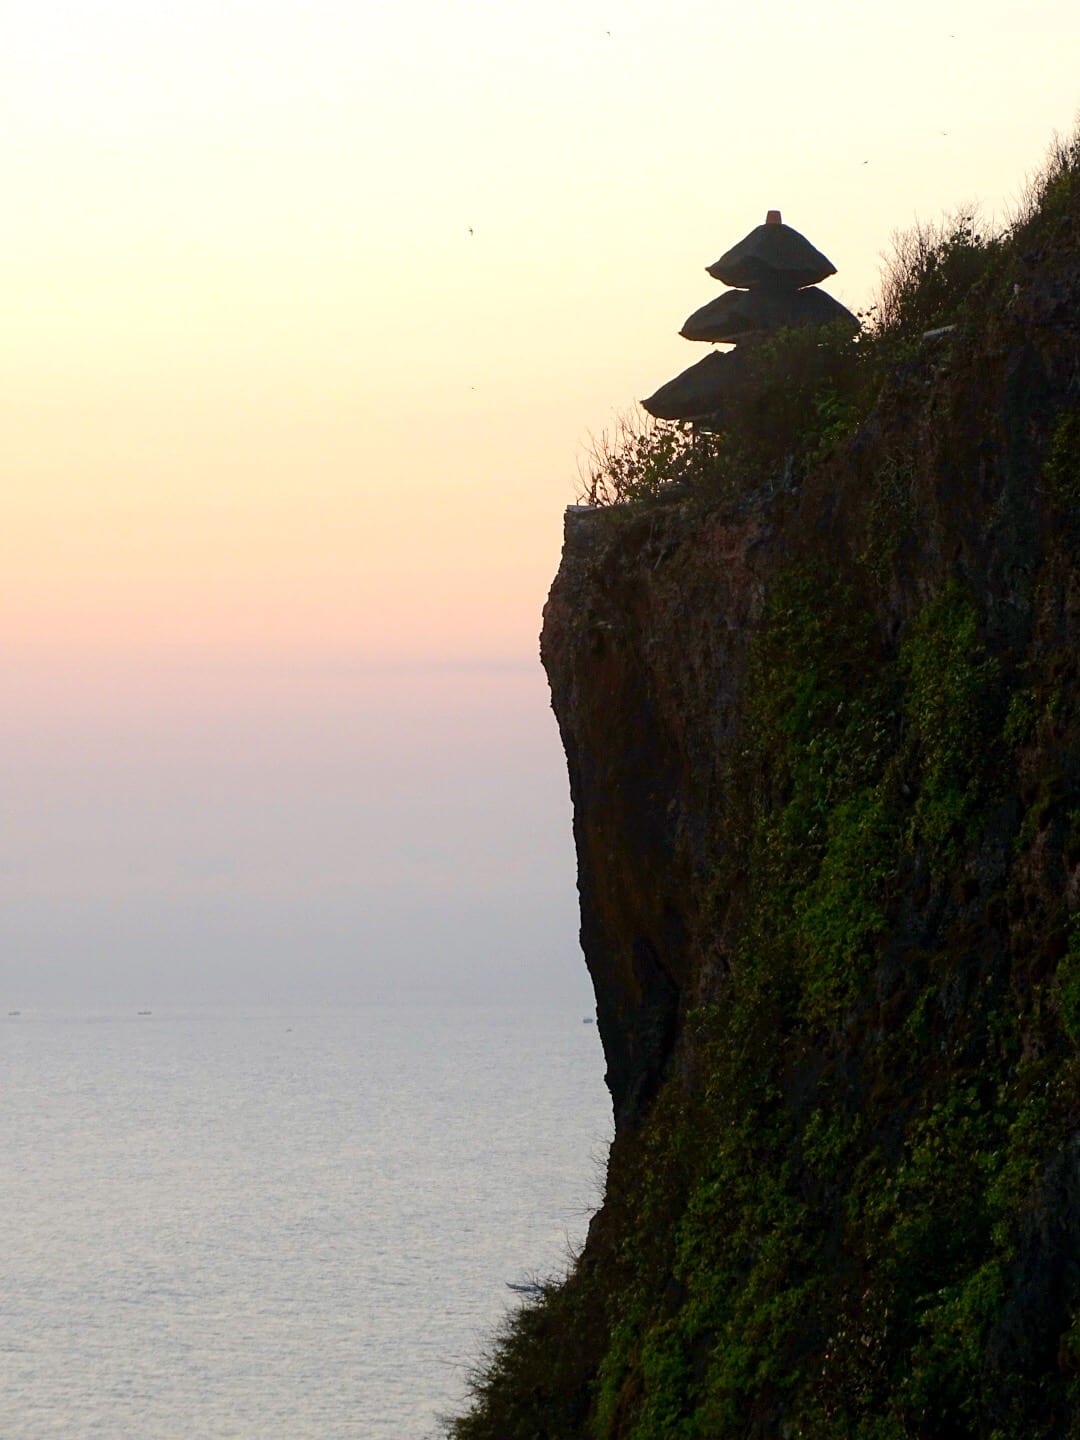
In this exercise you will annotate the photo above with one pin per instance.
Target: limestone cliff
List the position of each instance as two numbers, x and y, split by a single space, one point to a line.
823 738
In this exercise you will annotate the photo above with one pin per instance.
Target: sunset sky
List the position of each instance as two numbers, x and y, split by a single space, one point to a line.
308 311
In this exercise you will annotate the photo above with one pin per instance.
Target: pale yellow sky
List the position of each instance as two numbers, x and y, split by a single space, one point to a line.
260 386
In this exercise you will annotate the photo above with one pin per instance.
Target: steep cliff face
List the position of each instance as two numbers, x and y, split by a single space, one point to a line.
823 740
653 614
644 637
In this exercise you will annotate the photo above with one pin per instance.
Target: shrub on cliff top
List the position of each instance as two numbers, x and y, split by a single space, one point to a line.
937 273
931 273
640 458
803 391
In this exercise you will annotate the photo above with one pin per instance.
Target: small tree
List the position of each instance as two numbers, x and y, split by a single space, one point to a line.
637 459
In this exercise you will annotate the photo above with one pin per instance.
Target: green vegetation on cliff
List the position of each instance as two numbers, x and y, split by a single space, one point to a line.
844 1194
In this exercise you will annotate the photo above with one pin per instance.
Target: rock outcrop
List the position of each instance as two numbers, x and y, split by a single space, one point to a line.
823 740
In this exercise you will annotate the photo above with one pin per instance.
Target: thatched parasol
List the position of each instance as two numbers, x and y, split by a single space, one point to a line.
708 388
737 314
772 254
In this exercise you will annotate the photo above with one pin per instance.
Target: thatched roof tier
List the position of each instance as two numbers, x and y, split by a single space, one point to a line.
775 254
708 388
737 314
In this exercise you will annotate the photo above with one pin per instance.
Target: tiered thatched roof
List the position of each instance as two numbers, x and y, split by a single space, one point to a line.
775 271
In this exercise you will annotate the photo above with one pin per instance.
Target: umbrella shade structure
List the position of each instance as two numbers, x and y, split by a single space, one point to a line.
710 387
774 272
773 254
737 314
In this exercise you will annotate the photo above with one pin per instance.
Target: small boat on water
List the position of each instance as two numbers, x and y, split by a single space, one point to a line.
529 1287
588 1020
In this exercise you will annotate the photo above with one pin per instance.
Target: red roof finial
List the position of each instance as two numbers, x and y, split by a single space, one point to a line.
773 218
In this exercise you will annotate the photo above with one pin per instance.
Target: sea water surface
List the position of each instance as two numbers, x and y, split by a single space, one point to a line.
279 1223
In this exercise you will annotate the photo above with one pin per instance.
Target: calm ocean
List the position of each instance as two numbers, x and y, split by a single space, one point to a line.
279 1224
